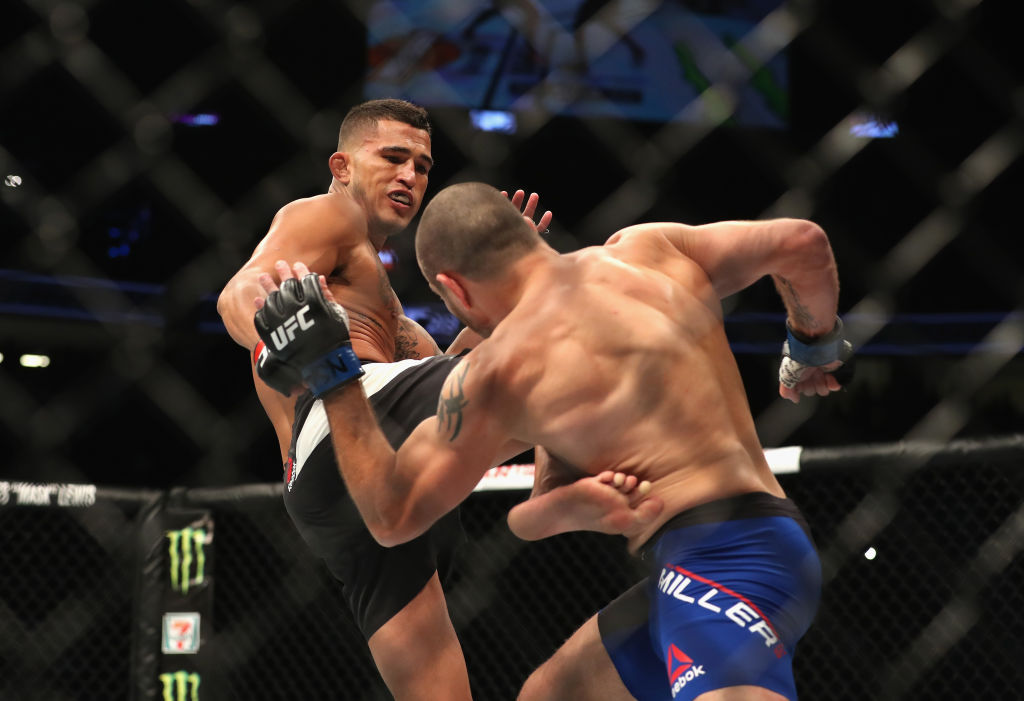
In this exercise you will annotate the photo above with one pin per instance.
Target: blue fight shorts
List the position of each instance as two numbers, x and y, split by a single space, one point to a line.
733 585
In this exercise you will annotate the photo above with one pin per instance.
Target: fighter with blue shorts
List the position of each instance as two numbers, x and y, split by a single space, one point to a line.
733 585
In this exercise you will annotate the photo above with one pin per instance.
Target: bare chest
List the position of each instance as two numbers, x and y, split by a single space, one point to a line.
362 287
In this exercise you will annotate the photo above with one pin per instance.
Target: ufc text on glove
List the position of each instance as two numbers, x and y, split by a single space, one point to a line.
305 331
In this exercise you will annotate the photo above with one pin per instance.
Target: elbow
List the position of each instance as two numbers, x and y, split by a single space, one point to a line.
227 317
390 537
808 244
222 304
225 300
385 538
811 236
390 531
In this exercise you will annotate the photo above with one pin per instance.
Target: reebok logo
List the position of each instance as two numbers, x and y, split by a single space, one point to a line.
681 669
285 333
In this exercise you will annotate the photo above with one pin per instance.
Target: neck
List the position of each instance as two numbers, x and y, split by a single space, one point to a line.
508 290
377 238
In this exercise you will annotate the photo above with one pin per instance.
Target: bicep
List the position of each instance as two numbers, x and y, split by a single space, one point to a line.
733 254
439 474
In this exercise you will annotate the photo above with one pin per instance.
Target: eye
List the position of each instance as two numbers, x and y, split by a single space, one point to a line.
393 159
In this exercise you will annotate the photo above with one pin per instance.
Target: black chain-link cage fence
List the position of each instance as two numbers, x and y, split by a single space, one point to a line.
146 146
921 548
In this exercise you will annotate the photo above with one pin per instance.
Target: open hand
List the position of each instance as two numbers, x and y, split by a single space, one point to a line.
530 208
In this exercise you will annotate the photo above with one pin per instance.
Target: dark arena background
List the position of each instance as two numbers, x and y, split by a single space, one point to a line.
145 147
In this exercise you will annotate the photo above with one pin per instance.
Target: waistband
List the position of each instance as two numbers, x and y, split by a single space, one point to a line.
741 506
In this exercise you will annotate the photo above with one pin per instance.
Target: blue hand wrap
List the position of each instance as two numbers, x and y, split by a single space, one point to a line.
332 370
821 351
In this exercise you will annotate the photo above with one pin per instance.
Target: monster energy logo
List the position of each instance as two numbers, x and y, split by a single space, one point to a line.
185 549
180 686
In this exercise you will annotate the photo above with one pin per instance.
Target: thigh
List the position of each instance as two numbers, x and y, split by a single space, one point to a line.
625 629
717 626
580 670
378 582
417 651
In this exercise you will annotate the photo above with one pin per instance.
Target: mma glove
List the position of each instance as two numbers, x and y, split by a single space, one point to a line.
274 372
801 354
309 335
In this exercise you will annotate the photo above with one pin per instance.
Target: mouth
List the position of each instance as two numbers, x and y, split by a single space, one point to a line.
402 198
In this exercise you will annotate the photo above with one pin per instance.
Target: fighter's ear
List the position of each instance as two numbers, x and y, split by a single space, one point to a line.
454 286
340 164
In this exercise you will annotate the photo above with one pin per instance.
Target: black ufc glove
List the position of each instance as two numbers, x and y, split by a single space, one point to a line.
309 334
274 372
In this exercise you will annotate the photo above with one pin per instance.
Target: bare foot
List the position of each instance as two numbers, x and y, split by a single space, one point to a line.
611 502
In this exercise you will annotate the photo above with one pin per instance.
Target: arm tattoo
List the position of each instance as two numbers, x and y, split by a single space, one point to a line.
800 313
449 408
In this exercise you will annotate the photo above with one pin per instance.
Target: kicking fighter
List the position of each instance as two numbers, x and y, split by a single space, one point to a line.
378 180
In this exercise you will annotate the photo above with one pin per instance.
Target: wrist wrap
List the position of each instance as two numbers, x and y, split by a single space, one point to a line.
819 351
334 369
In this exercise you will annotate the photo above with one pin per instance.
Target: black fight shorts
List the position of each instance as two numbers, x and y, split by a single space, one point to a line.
378 582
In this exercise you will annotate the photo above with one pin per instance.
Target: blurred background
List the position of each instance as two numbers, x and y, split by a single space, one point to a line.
146 146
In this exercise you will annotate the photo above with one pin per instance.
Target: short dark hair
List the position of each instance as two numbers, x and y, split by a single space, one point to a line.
472 229
367 114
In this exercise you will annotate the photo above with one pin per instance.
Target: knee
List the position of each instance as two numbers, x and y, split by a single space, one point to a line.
533 688
544 683
423 665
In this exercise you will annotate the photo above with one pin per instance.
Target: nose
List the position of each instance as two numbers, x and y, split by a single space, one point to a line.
407 174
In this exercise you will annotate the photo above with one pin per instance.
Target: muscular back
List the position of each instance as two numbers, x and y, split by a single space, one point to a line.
620 360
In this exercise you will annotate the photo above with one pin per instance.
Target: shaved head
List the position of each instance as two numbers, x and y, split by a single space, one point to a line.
474 230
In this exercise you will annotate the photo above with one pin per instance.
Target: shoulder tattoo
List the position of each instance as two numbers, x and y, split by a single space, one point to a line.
405 344
410 343
452 402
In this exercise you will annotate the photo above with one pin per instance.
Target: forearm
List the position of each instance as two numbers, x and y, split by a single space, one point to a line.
236 308
365 459
808 282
